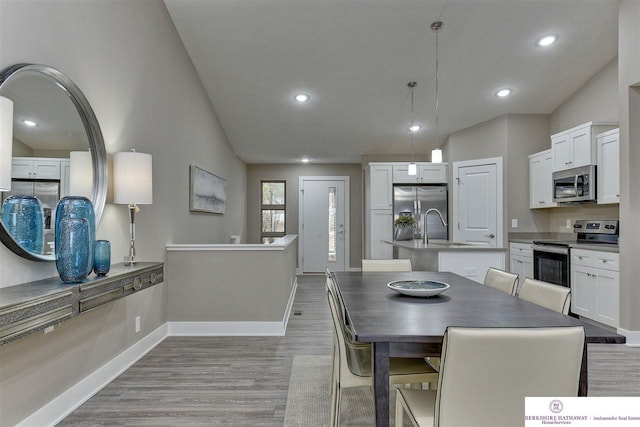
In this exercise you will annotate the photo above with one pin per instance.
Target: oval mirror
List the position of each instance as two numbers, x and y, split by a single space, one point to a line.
58 149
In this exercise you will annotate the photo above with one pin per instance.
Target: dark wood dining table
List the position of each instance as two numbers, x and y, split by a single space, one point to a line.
403 326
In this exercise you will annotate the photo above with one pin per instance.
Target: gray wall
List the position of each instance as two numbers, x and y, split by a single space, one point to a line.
291 173
596 100
128 60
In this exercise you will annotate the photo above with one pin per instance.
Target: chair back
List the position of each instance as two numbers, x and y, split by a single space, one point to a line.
352 355
486 373
501 280
386 265
553 297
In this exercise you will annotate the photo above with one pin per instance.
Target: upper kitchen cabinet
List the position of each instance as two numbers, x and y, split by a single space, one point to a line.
427 173
379 186
608 166
35 168
577 146
540 180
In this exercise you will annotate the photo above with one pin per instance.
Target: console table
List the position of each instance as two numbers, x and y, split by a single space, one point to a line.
34 306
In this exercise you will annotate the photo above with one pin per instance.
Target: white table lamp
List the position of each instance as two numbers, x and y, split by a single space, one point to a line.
6 142
133 185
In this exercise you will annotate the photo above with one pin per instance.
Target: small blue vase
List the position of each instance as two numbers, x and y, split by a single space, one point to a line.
101 257
73 247
80 207
23 218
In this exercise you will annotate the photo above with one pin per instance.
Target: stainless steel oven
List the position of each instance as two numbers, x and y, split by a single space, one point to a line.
551 262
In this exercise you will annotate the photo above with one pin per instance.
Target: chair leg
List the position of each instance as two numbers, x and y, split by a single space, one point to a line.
399 411
335 403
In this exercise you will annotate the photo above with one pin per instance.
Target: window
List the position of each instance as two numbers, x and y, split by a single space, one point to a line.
272 210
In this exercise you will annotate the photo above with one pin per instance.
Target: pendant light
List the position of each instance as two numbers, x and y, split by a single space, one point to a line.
436 153
413 170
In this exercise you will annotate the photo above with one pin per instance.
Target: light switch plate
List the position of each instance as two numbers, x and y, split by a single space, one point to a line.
514 223
568 222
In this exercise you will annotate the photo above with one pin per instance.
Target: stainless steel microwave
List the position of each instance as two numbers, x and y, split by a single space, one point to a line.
575 185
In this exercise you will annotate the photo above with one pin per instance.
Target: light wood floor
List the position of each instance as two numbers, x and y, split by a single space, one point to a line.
204 381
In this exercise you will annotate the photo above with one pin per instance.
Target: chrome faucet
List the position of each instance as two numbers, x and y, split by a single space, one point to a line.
424 223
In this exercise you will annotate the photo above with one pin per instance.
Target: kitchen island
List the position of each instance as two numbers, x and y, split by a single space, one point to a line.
465 259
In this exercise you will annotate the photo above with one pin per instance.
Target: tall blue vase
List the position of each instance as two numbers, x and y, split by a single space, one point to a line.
80 207
72 248
23 218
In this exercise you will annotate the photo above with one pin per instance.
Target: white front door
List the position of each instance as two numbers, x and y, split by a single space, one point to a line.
477 204
324 229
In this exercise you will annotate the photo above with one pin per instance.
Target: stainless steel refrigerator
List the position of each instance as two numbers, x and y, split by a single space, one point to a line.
48 192
414 200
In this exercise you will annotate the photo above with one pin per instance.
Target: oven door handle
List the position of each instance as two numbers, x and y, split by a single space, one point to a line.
551 249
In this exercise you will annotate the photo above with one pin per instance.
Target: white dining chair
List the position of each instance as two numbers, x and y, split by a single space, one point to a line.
527 361
386 265
553 297
501 280
352 365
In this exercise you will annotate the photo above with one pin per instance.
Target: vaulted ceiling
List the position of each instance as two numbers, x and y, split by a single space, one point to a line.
355 58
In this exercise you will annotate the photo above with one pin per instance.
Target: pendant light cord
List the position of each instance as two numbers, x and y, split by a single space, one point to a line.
411 85
436 26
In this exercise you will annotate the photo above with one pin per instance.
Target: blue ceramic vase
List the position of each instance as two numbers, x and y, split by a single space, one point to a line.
73 247
101 257
23 218
78 207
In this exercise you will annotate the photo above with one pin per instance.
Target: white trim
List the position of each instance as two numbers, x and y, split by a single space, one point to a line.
347 215
499 199
633 337
63 405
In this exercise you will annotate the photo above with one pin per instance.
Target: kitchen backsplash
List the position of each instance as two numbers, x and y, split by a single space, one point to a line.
559 216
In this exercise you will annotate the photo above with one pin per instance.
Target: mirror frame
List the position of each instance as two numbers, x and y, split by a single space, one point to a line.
94 135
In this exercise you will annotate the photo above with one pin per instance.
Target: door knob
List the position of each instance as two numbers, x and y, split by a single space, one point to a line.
490 235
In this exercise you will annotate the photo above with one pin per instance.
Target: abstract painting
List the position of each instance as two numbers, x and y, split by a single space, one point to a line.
207 192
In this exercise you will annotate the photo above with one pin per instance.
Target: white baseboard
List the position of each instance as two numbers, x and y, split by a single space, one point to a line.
57 409
633 337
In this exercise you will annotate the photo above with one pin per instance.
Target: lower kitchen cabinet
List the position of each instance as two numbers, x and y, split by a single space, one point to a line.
521 261
595 286
380 227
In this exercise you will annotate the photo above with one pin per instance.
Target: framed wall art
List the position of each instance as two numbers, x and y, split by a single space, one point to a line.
207 192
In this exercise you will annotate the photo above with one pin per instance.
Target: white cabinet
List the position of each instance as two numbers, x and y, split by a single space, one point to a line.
380 186
35 168
470 264
577 146
541 180
427 173
381 229
608 166
378 214
65 176
595 285
521 260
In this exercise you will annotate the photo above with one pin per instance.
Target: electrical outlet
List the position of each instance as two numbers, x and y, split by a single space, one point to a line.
48 329
568 222
137 324
514 223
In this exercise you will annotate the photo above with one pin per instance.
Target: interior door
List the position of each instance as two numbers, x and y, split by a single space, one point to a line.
323 226
478 202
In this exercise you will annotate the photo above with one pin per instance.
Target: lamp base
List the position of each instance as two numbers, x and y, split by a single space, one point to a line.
130 260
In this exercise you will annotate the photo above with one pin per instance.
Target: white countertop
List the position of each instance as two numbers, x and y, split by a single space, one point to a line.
441 245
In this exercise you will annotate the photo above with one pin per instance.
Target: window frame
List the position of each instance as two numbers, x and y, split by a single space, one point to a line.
273 207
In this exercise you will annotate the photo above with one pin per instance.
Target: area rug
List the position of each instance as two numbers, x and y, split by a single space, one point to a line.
309 399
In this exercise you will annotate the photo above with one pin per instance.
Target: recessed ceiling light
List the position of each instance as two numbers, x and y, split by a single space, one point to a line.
305 160
547 40
301 97
29 123
503 92
415 128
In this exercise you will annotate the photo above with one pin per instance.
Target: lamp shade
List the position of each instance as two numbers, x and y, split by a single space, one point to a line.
6 142
80 174
436 155
132 178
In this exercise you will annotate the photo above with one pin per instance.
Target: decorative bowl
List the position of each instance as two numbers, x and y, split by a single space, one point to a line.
418 288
